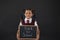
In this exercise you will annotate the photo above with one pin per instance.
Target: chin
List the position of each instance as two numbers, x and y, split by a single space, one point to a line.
28 18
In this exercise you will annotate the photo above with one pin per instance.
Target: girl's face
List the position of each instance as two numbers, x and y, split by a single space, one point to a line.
28 14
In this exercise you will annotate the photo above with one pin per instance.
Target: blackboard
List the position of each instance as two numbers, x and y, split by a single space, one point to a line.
28 31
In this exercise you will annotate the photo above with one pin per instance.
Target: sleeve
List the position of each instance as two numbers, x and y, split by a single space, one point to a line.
35 23
20 23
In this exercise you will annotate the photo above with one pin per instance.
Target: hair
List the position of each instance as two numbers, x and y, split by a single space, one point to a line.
30 10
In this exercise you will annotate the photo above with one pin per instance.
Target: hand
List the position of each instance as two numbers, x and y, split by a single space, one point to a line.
37 39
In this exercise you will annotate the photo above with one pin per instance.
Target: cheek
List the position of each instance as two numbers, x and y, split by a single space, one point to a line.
30 15
25 15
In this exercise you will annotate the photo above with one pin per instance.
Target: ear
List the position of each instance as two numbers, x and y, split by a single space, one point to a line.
24 13
32 14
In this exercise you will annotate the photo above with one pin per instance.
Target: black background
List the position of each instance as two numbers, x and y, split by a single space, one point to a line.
11 9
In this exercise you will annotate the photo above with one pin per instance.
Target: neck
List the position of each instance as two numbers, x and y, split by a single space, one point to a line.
28 18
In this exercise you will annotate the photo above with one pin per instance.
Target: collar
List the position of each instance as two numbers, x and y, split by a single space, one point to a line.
30 20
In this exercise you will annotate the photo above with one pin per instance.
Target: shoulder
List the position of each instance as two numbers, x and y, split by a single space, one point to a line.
35 21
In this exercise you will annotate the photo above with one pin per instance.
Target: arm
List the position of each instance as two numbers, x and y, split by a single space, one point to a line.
18 32
38 31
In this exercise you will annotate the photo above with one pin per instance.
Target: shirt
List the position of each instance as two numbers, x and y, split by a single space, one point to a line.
30 20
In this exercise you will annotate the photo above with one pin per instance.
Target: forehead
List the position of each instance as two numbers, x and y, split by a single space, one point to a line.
28 11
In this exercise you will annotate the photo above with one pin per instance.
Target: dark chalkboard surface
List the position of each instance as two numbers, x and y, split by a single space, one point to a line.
28 31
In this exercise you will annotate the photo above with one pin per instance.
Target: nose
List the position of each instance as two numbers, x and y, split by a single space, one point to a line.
28 14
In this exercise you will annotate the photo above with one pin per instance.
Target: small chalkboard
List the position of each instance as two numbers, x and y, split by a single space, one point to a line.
28 31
